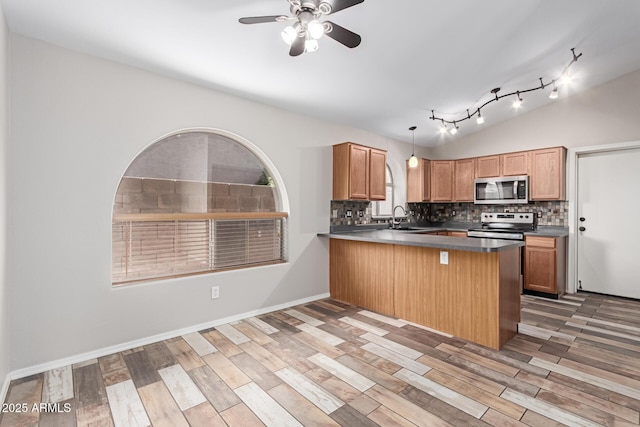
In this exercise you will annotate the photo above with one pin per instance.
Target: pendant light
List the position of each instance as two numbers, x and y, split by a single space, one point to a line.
413 160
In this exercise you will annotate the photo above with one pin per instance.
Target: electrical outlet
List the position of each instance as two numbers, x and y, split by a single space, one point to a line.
539 214
215 292
349 214
360 213
335 213
453 213
444 257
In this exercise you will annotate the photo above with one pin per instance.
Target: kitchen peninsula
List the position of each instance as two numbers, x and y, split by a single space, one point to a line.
466 287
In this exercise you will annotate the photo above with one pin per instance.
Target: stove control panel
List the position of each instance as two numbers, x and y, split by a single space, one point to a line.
508 217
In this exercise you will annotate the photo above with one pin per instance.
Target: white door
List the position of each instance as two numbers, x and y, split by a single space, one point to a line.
607 206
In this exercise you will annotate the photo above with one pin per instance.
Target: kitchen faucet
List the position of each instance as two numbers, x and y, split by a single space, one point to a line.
394 224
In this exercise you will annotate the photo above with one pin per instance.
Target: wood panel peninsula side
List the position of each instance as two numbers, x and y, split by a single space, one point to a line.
476 296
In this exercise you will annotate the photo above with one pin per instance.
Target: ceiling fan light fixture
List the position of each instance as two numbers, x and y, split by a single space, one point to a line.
315 29
289 34
311 45
324 8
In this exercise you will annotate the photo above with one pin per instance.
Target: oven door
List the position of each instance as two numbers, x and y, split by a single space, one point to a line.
501 190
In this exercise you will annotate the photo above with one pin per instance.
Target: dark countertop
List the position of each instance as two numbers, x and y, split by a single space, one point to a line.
542 230
414 238
549 231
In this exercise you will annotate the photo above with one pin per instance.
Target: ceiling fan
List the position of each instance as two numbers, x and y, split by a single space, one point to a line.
304 33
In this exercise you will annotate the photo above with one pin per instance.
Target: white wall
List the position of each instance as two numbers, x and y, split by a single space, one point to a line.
4 138
77 122
602 115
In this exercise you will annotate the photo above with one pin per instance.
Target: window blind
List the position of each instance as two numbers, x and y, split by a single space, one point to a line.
145 249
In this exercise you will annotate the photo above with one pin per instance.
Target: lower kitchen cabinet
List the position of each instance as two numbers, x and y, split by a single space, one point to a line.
545 266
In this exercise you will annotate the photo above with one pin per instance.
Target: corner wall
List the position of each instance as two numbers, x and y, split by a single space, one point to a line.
4 141
77 123
604 114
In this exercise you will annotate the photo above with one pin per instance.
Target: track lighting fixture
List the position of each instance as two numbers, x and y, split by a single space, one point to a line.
563 78
443 128
413 160
518 102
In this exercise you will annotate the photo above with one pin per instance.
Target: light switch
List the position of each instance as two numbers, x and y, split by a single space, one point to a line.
444 257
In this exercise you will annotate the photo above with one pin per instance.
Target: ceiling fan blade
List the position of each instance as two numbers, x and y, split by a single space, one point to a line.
338 5
342 35
262 19
297 47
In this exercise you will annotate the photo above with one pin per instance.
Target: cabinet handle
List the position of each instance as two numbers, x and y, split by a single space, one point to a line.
582 219
581 228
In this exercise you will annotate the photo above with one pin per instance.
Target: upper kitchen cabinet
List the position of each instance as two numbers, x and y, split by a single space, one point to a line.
442 180
463 176
419 182
377 174
358 172
548 174
514 164
488 167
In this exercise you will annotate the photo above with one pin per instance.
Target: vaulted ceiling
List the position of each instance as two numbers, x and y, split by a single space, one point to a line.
415 55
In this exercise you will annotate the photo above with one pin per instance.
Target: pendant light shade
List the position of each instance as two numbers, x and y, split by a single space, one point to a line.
413 160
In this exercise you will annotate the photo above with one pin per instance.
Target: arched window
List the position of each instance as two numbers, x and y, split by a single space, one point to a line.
383 208
196 202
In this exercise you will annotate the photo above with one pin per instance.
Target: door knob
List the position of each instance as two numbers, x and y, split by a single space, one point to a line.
582 219
581 228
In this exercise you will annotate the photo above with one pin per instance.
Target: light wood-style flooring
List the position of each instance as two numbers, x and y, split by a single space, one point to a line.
575 361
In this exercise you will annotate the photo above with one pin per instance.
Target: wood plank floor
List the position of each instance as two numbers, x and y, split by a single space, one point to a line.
575 361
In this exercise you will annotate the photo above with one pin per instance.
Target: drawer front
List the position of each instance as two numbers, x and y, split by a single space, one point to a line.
541 242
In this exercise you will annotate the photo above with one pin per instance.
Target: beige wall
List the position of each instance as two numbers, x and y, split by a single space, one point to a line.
77 122
601 115
4 138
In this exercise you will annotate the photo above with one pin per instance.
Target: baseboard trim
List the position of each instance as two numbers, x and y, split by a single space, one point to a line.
5 387
105 351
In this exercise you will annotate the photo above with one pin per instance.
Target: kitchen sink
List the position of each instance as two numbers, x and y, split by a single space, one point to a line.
406 229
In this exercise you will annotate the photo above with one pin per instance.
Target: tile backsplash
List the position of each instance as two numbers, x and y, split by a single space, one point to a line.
360 213
553 213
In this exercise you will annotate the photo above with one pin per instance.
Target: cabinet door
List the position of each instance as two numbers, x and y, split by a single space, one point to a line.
515 163
548 174
488 167
442 180
540 269
358 172
464 175
419 182
377 174
426 179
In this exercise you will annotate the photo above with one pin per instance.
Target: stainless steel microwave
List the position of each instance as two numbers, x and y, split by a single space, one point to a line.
504 190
